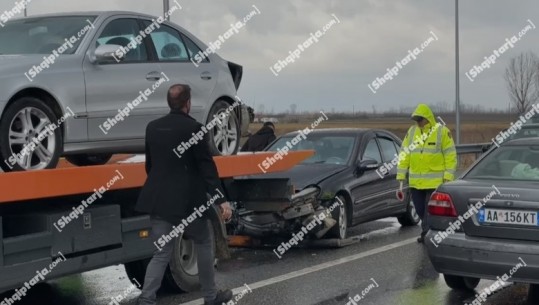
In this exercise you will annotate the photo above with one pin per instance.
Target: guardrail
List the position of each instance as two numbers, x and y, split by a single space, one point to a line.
476 148
463 150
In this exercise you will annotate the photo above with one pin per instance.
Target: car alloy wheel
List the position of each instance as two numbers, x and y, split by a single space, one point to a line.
26 126
340 215
224 136
410 217
29 138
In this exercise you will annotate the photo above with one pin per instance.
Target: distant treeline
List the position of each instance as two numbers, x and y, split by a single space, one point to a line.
447 116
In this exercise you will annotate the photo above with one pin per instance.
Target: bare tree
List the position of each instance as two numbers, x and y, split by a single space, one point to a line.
522 76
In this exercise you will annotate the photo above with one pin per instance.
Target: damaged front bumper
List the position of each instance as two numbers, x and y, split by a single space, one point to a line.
271 208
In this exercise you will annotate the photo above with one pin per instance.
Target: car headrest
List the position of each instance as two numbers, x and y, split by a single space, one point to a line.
171 50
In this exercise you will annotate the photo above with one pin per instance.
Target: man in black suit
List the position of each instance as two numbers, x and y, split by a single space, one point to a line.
176 187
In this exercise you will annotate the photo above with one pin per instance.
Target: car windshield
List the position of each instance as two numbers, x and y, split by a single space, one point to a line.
329 149
509 163
44 35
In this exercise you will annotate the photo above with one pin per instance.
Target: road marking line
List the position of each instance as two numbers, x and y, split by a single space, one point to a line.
308 270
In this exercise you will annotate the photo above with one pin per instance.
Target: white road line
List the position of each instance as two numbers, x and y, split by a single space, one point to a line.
294 274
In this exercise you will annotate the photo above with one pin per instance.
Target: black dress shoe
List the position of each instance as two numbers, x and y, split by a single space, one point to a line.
420 239
223 296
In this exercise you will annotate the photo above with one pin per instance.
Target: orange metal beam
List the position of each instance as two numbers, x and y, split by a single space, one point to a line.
18 186
243 241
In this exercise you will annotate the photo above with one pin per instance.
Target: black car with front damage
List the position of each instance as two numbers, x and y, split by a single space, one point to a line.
352 166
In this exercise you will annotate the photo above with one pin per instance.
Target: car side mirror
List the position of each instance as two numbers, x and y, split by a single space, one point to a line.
366 165
106 53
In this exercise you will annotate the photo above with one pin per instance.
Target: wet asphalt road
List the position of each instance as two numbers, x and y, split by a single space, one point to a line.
387 256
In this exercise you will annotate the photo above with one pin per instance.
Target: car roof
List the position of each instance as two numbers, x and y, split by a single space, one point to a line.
89 13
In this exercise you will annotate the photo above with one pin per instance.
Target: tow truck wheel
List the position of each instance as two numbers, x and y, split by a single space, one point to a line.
410 218
225 137
340 215
88 159
28 140
182 271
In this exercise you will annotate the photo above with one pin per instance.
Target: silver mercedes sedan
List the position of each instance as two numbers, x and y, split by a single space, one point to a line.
85 85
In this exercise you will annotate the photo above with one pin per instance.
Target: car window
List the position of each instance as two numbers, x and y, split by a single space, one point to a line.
508 163
527 131
123 32
193 49
372 152
168 44
388 149
328 149
44 35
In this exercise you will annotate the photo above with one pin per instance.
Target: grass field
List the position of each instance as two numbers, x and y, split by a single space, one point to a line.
470 132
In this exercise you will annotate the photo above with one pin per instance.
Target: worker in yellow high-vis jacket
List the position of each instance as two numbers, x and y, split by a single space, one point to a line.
428 158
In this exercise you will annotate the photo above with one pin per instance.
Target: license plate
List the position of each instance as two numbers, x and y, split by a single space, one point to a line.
524 218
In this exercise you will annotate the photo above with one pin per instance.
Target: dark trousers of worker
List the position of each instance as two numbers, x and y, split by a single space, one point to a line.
421 200
199 232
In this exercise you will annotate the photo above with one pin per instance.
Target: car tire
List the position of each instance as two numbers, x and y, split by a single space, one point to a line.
224 138
88 159
533 294
340 214
461 282
136 271
28 117
410 217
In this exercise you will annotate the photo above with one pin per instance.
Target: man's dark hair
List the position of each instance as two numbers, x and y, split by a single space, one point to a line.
269 124
178 95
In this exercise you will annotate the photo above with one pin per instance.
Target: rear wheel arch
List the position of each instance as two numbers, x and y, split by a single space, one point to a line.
230 101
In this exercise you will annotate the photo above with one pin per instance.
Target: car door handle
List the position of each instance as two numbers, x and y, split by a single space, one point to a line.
205 75
154 76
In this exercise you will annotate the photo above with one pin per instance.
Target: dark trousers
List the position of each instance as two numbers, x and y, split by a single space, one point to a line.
199 232
421 199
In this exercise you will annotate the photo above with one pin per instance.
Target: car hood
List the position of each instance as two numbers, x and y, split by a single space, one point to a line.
303 175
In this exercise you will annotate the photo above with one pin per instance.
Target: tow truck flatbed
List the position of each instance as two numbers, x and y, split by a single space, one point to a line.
20 186
108 232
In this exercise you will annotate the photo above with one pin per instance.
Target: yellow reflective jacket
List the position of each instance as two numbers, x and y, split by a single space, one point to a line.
427 154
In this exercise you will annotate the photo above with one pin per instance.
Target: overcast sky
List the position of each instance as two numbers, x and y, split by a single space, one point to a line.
371 36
